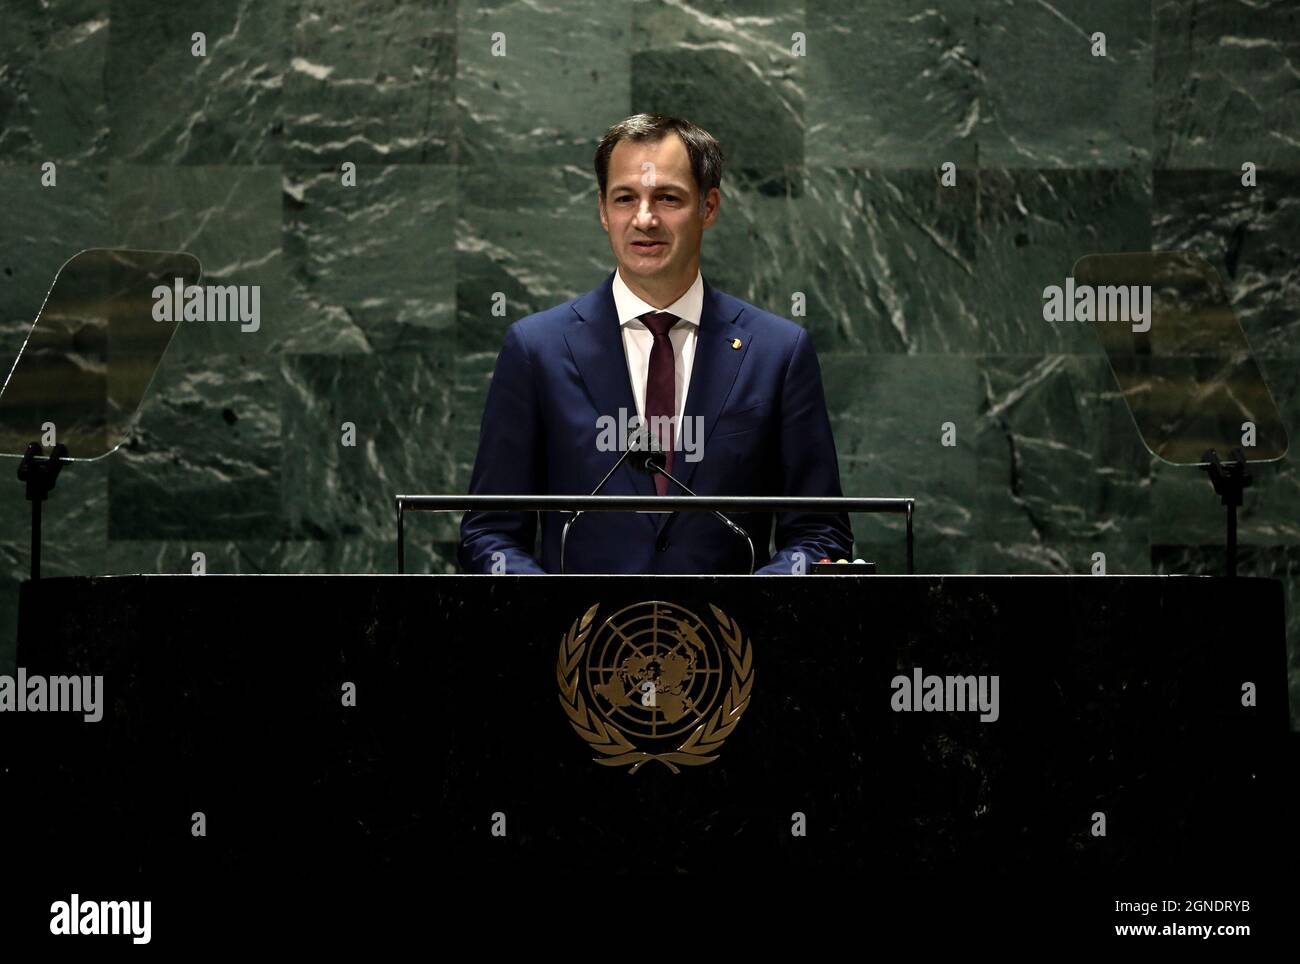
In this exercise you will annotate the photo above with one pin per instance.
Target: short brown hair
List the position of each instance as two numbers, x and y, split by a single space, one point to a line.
705 152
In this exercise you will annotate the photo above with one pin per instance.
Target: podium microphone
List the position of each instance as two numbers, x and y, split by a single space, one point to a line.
573 517
651 463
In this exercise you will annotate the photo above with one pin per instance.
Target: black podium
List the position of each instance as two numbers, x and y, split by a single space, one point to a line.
343 733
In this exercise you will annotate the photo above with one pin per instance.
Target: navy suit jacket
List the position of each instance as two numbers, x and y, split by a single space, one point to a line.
765 431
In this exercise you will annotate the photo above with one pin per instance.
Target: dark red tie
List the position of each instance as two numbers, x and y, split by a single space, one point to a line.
661 388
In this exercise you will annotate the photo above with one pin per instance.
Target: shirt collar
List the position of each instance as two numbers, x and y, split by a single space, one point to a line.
688 307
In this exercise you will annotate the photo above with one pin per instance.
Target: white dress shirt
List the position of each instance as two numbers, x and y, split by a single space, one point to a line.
638 340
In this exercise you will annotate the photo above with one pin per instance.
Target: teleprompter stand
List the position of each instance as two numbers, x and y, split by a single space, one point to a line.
1229 481
39 472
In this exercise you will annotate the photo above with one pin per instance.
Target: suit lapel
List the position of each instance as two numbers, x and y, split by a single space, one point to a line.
713 373
597 349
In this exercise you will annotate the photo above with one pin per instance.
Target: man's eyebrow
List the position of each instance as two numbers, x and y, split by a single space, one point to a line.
663 186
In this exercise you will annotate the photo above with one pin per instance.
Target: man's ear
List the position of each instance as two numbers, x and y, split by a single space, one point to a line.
710 216
600 209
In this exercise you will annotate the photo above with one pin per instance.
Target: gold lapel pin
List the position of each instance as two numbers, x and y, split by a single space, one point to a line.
735 343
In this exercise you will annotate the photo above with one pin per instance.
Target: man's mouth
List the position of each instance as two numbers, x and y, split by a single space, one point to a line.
648 245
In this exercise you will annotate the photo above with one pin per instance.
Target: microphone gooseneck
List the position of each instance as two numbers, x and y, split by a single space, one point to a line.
650 463
630 451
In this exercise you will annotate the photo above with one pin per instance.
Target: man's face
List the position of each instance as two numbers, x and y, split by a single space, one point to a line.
651 211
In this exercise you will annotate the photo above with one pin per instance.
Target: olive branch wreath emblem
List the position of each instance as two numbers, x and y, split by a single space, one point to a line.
699 748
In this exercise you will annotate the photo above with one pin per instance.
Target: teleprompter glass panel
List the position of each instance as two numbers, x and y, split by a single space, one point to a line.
92 352
1180 356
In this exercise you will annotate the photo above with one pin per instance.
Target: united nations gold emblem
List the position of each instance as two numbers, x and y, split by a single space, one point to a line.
653 682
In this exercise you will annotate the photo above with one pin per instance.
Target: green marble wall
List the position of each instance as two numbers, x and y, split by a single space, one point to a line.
474 177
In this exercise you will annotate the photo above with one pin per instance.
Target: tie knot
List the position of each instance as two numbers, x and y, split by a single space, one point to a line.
659 322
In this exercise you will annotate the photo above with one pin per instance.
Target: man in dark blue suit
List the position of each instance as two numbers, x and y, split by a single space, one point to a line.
732 393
